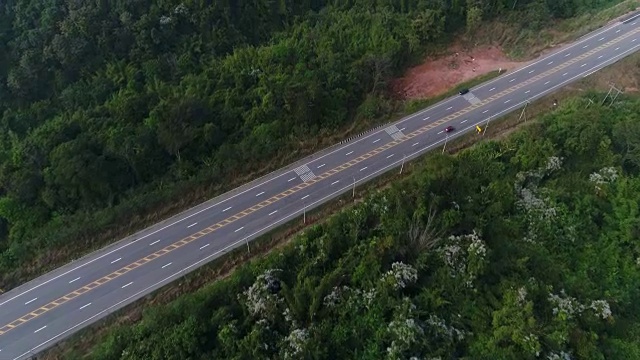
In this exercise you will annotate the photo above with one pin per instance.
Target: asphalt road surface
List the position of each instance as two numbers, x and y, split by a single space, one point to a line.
36 315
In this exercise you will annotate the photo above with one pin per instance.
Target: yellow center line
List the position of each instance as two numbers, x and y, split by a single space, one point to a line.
187 240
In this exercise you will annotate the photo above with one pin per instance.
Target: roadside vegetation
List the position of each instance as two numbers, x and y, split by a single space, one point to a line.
524 247
117 115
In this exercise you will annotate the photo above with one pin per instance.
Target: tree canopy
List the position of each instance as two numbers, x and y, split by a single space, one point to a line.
522 248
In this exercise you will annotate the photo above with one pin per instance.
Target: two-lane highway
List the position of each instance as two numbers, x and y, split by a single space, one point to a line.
38 314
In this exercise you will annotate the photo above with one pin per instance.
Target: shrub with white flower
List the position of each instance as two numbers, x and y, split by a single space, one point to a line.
531 343
561 356
522 295
181 10
333 298
553 163
464 255
352 299
295 343
565 305
441 328
601 308
403 330
260 298
400 275
604 176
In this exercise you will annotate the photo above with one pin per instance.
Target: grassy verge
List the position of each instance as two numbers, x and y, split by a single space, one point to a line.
624 74
521 42
415 105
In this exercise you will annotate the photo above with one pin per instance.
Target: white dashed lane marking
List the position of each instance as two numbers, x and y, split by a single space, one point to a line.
42 328
164 266
229 208
124 286
192 225
349 153
30 301
273 212
204 246
116 260
78 278
84 306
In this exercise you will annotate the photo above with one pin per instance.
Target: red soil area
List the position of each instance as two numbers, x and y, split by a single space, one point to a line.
437 75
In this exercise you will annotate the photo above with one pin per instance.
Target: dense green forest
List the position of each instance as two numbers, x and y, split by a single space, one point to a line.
110 109
519 249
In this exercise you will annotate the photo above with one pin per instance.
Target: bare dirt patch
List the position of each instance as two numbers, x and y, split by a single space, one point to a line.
439 74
